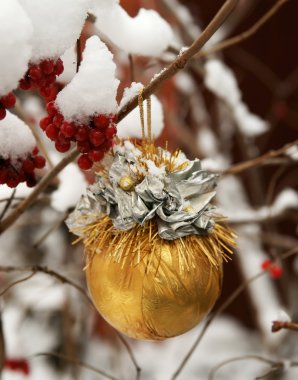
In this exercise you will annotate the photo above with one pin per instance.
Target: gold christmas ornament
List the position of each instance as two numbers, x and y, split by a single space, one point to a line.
153 243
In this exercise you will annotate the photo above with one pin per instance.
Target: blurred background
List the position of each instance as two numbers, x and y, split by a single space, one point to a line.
225 108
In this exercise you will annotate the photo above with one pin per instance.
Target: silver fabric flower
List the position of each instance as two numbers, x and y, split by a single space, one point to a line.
179 201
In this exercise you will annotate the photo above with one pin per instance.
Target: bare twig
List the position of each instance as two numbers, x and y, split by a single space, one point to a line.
131 68
35 269
131 355
245 35
9 201
79 53
279 325
242 166
274 365
182 59
16 283
54 227
78 363
166 74
228 301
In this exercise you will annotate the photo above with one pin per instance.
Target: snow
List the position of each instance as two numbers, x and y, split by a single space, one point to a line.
146 34
16 139
72 184
57 25
292 152
69 59
15 36
130 126
93 89
282 316
221 81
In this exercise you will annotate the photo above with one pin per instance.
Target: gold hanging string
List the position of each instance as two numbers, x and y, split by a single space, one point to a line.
149 120
141 108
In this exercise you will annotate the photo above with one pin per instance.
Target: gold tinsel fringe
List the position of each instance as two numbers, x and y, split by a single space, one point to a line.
143 243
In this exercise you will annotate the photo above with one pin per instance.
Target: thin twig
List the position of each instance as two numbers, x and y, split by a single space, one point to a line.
131 68
79 53
228 301
53 228
16 283
15 199
9 201
242 166
182 59
131 355
244 35
272 363
46 270
279 325
78 363
166 74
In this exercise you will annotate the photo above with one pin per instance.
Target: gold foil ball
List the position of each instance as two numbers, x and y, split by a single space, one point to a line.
164 291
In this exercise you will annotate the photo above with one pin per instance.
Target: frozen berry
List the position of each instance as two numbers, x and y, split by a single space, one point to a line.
8 100
2 113
95 155
62 147
84 162
101 121
47 66
35 73
39 162
68 129
96 137
52 132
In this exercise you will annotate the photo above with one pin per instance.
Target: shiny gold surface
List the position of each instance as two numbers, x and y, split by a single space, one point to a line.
163 293
126 183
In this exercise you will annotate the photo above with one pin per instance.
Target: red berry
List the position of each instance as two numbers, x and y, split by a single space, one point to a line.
101 121
110 132
52 132
84 162
28 166
95 155
40 82
276 271
45 91
35 73
58 119
59 67
62 147
51 109
44 122
2 113
8 100
266 264
83 146
96 137
35 151
50 79
12 182
68 129
25 84
47 66
82 134
31 181
39 162
53 93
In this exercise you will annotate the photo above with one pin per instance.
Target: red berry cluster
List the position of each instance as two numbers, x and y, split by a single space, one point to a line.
17 365
92 139
42 76
275 270
6 101
22 170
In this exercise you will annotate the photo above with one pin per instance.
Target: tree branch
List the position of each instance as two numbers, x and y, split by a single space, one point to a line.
166 74
242 166
245 35
279 325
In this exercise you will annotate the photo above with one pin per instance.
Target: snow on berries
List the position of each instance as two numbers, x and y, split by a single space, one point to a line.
42 77
84 112
93 138
19 156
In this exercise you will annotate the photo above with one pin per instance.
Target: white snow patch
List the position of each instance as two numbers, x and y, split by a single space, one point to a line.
93 89
16 139
15 36
72 184
293 152
57 24
221 81
69 59
283 316
146 34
